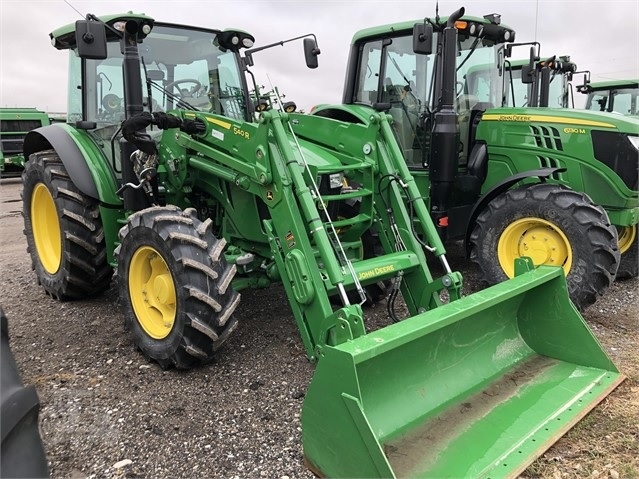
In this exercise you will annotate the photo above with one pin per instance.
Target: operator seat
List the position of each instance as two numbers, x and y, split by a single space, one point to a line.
477 170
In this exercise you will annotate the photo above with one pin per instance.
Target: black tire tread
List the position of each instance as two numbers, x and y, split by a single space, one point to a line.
629 262
203 312
84 270
545 200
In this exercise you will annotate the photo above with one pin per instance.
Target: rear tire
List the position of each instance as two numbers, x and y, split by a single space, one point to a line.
64 231
175 286
629 248
553 225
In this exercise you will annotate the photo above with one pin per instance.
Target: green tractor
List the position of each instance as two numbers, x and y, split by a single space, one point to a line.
163 175
547 83
621 96
551 184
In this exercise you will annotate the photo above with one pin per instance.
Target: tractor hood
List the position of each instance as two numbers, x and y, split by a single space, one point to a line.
566 118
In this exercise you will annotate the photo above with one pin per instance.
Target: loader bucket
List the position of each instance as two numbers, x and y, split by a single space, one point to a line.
479 387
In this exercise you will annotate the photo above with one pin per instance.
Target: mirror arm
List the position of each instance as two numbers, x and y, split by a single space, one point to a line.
249 53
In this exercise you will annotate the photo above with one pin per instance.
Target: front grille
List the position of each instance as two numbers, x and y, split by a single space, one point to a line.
615 150
19 125
547 137
12 146
548 162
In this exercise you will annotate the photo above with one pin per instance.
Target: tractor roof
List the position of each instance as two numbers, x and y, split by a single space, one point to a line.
611 84
407 26
64 37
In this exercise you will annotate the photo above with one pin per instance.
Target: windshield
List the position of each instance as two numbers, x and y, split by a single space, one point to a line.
557 94
390 72
185 69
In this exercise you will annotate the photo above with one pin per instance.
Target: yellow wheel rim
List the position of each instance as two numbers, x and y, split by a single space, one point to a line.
538 239
46 229
627 235
152 292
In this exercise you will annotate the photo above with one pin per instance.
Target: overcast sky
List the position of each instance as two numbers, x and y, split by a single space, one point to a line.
600 36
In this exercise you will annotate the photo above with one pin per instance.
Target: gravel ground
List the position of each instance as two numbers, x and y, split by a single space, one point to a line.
108 412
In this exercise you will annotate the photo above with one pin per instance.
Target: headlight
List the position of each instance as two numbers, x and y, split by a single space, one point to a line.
635 141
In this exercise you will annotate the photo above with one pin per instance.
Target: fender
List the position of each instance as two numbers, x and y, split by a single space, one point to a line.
498 189
83 160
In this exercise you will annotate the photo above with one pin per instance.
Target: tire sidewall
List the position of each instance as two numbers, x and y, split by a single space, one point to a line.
35 173
582 266
156 348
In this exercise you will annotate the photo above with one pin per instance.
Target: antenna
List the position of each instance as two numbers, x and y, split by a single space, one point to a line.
68 3
536 17
437 12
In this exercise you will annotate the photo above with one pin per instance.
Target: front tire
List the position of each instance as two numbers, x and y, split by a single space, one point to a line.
553 225
175 285
65 238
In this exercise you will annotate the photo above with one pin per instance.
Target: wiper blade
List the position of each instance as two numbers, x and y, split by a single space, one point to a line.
178 101
471 51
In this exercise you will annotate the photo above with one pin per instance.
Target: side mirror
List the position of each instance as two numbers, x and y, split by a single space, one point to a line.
90 38
155 75
310 52
527 73
423 38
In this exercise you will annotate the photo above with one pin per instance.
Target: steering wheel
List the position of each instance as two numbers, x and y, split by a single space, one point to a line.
111 103
184 93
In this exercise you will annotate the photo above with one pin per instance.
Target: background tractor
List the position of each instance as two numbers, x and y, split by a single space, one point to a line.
621 96
15 123
546 84
551 184
163 174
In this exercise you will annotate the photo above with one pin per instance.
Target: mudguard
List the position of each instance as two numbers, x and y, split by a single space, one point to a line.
84 161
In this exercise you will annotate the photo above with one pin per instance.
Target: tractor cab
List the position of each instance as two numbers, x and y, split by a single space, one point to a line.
180 68
124 65
384 69
621 96
523 87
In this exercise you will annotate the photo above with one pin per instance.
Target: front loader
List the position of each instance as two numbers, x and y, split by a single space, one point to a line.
555 185
162 173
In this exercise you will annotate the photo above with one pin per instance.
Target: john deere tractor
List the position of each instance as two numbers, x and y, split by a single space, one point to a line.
551 184
15 123
621 96
163 176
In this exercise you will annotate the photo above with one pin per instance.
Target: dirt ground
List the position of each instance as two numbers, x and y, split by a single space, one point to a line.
107 412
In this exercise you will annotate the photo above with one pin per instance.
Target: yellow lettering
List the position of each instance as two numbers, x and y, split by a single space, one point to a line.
371 273
574 130
240 132
514 118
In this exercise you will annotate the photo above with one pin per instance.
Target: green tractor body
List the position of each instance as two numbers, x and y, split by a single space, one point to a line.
166 173
15 123
556 185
